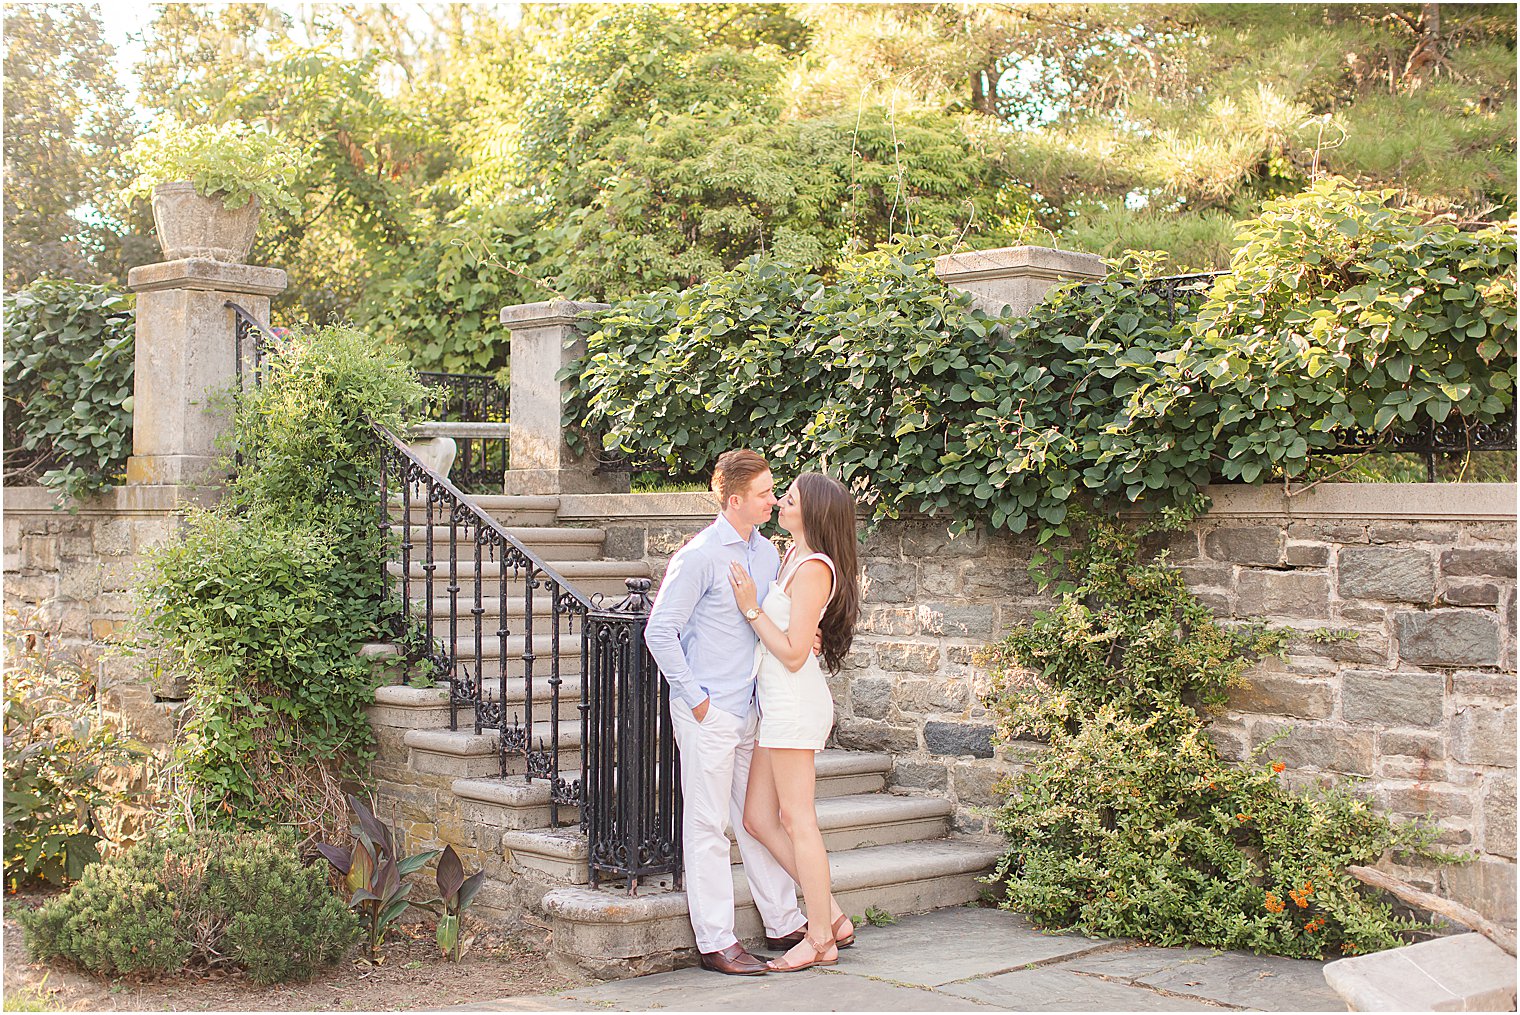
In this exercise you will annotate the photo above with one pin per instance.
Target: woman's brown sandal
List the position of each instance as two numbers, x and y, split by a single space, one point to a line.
819 947
843 942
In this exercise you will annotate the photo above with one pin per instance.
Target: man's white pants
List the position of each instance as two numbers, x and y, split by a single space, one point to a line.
715 760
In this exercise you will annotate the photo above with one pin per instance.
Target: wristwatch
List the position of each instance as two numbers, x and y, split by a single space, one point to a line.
752 614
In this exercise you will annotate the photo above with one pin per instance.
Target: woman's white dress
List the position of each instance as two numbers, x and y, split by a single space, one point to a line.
796 709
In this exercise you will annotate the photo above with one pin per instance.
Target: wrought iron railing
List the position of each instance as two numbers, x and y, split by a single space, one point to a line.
250 339
1182 290
481 462
632 787
473 600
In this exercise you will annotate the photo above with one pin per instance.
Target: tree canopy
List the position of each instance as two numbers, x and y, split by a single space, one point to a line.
468 160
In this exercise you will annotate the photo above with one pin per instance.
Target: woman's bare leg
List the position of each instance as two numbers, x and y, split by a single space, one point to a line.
794 778
762 819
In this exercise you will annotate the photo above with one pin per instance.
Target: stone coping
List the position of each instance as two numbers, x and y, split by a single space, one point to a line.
206 274
1018 262
1475 502
117 500
548 312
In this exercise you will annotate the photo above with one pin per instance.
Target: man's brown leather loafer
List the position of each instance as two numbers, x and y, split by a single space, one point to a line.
734 961
787 943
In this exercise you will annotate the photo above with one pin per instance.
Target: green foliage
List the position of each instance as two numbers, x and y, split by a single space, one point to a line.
455 893
1129 824
58 748
231 160
1341 311
373 870
68 385
239 900
65 124
264 602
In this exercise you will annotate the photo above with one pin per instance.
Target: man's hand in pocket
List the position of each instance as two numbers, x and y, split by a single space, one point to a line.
700 712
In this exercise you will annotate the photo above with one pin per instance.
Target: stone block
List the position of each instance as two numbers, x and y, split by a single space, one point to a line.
1424 800
937 695
1447 637
889 582
1484 736
1247 544
1486 885
957 619
113 537
39 553
1207 575
981 783
1320 748
1183 546
907 657
871 697
940 578
1412 744
1472 594
885 542
1263 594
927 540
1002 581
1499 815
1465 972
953 738
1281 694
1474 563
1398 698
1411 532
1344 645
1308 554
1387 574
665 540
1231 740
150 532
31 590
872 735
897 620
625 542
1362 613
1492 689
928 775
1217 602
1330 532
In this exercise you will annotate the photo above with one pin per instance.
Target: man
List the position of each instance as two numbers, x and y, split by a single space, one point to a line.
706 650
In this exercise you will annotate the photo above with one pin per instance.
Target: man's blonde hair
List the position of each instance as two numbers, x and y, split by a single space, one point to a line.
734 472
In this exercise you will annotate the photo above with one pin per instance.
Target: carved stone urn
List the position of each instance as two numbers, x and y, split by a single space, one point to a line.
190 225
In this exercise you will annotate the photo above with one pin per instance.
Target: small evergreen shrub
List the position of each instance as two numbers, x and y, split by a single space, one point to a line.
1129 824
209 899
68 385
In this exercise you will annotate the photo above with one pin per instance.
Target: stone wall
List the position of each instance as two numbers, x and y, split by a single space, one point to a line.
1401 687
72 568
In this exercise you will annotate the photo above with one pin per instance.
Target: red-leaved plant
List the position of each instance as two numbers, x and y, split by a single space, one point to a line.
372 871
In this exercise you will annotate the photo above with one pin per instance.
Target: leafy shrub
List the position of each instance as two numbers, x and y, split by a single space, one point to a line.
68 384
1129 823
231 160
897 384
214 899
264 602
58 746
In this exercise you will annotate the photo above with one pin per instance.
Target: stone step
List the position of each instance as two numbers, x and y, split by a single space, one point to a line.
860 820
463 754
519 805
610 934
401 706
608 577
463 648
551 543
506 510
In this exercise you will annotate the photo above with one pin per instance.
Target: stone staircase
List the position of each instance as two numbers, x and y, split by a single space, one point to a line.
888 850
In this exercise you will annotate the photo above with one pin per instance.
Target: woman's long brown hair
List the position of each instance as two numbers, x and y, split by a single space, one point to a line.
828 521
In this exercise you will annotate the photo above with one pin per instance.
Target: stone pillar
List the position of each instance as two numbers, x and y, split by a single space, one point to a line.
544 340
186 360
1014 277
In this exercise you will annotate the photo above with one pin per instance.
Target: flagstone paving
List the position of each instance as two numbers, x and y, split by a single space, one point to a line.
973 959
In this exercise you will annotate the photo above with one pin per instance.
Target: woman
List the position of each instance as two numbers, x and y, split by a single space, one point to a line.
815 593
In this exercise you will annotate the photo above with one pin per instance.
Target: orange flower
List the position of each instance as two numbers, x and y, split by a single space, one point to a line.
1315 924
1242 818
1273 904
1278 766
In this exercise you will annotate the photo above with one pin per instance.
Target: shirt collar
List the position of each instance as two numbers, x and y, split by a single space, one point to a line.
728 534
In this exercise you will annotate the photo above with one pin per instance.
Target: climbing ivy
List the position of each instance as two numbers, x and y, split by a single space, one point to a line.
1341 311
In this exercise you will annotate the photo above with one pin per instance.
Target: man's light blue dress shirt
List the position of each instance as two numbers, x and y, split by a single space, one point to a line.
696 633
